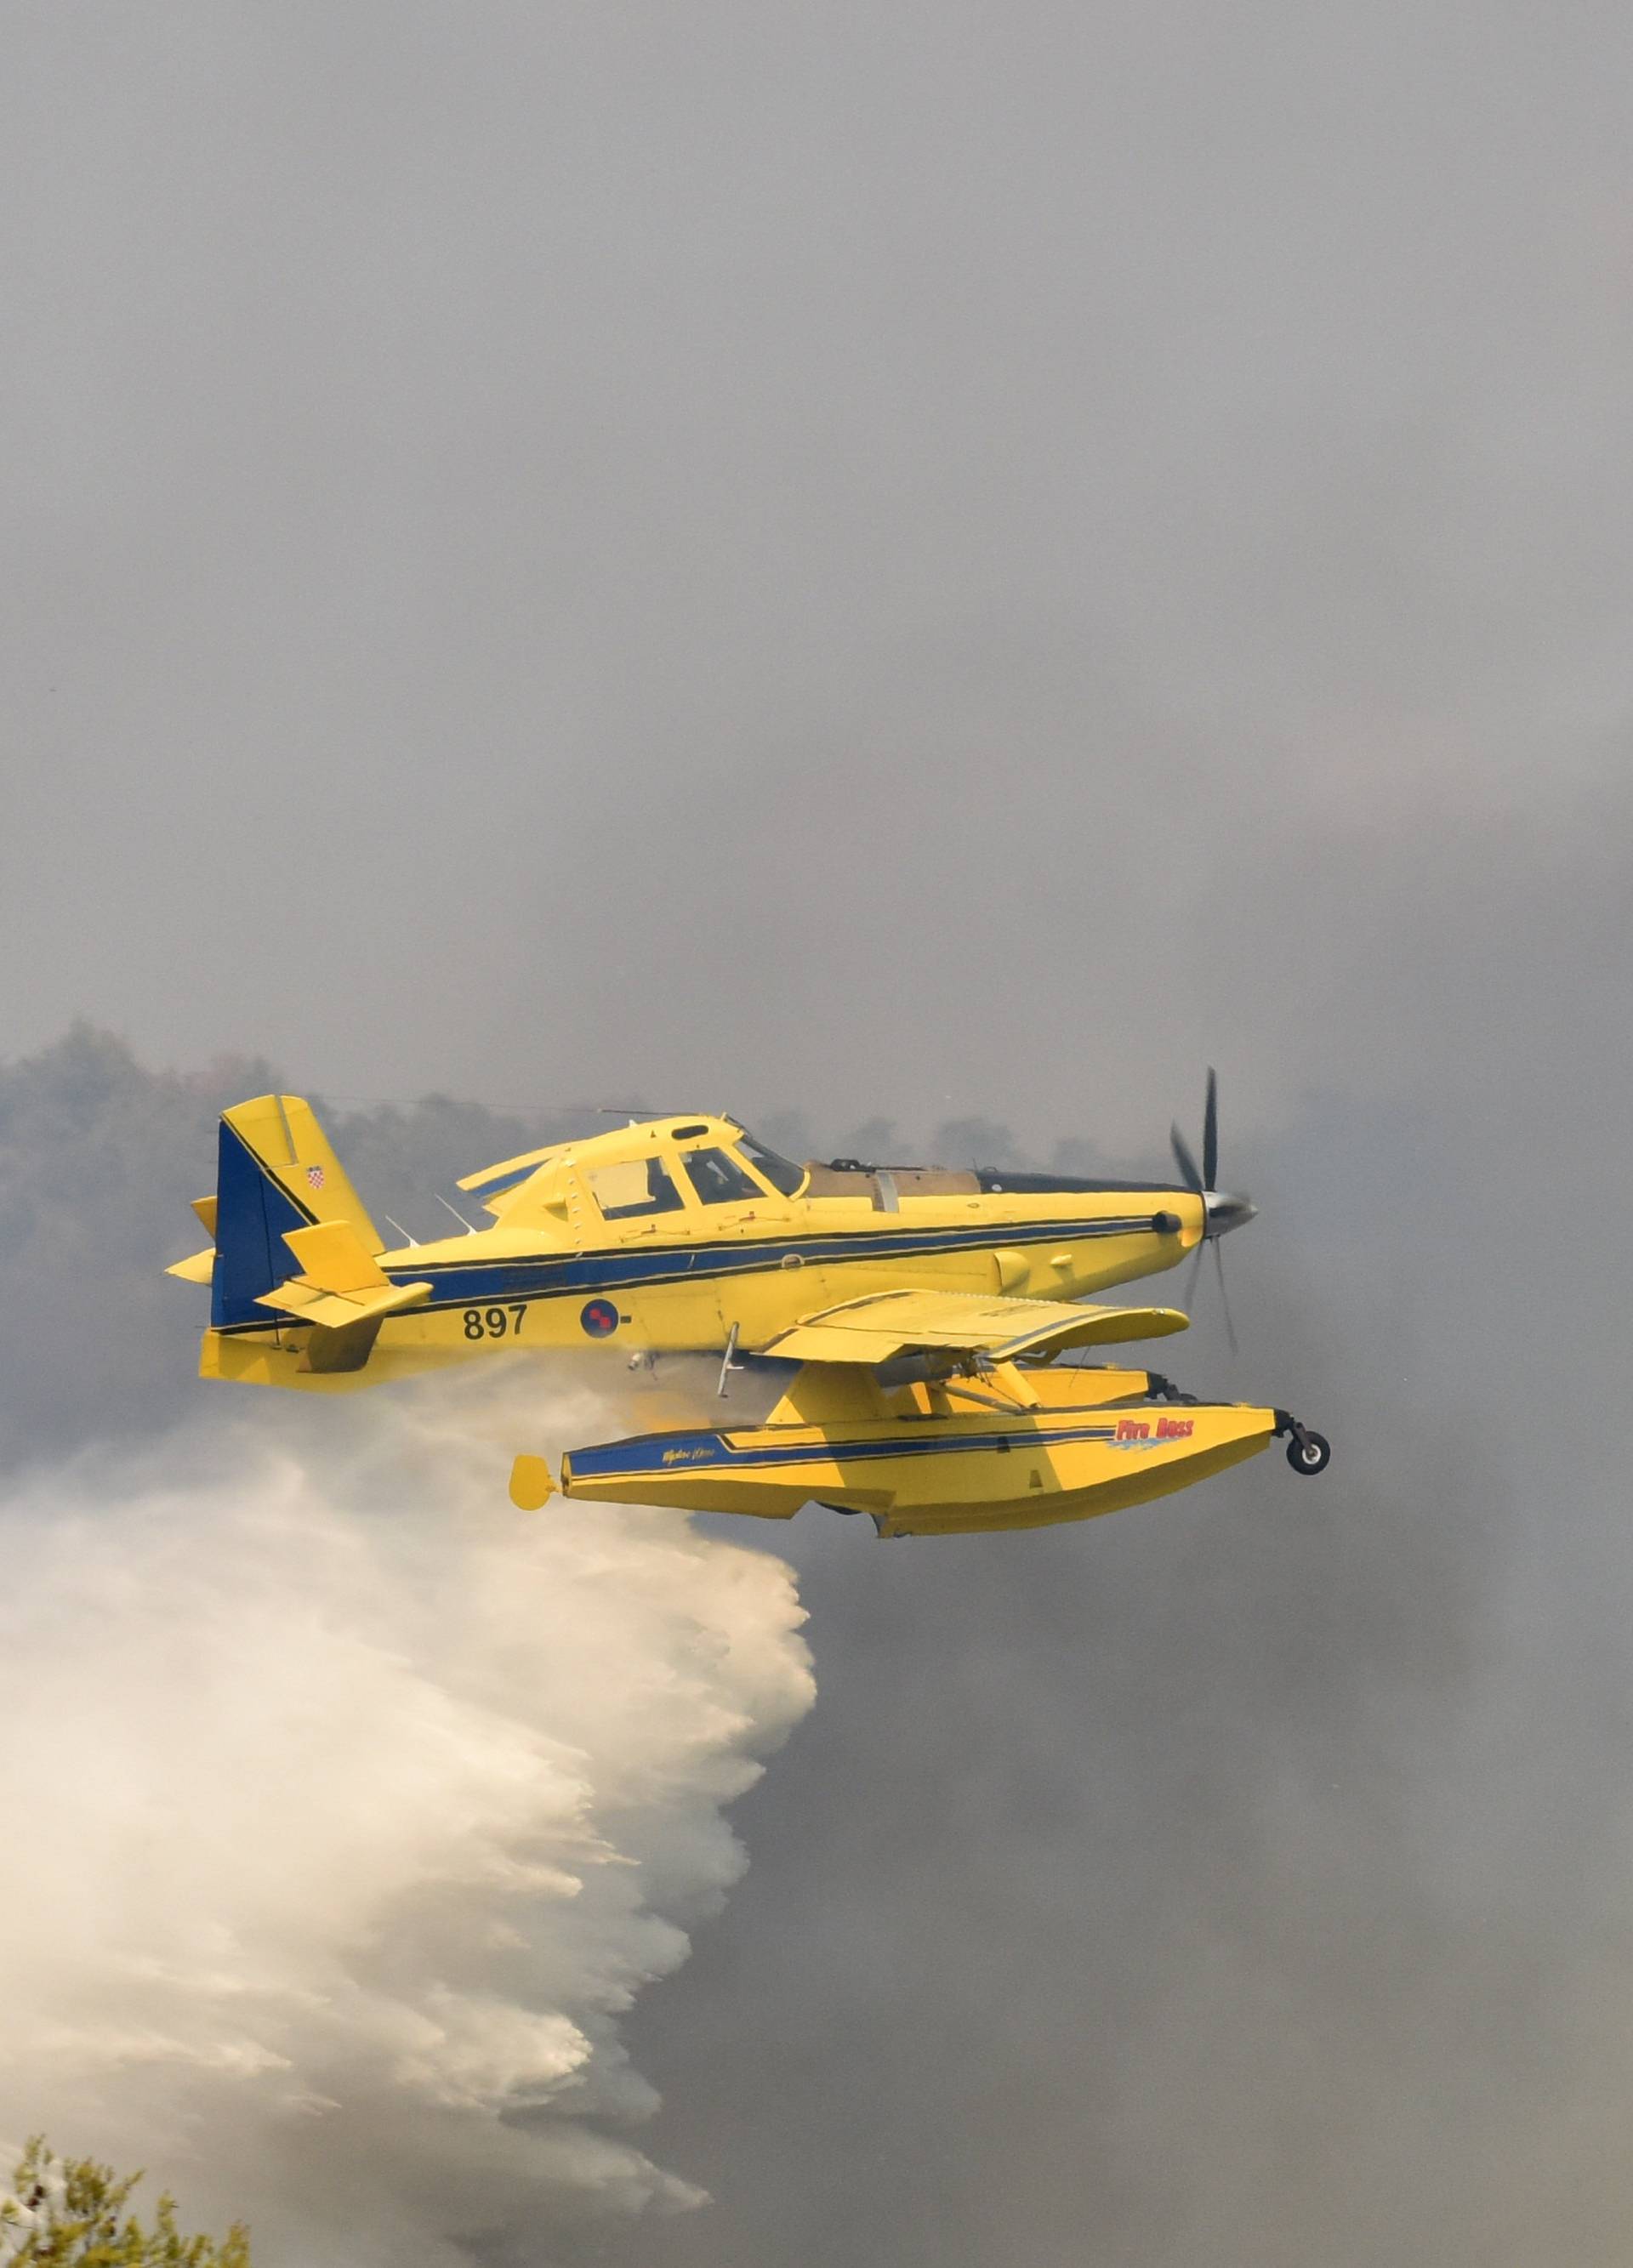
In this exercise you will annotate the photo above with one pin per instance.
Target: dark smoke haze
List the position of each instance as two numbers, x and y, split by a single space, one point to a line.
921 576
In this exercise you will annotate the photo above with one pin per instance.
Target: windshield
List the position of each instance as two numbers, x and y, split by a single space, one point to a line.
781 1172
717 1178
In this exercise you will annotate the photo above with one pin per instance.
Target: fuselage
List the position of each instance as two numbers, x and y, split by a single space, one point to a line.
670 1236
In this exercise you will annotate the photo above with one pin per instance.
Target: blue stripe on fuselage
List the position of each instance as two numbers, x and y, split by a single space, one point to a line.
550 1275
685 1452
461 1284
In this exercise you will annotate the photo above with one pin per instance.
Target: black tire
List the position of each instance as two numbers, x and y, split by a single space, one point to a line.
1312 1454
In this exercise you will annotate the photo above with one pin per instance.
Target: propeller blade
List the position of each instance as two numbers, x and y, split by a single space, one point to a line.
1185 1162
1225 1300
1210 1132
1197 1270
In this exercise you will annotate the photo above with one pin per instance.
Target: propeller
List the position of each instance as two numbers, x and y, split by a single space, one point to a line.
1221 1212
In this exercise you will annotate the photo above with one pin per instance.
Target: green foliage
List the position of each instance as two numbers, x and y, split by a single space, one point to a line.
70 2213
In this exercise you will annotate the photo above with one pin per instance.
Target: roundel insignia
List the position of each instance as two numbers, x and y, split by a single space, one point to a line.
599 1318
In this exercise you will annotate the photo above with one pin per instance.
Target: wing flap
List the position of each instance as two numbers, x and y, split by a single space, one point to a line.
885 1324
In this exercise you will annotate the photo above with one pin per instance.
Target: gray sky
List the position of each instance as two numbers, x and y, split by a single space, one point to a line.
753 552
932 561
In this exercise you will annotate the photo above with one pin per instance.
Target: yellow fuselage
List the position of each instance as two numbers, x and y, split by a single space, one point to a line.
559 1268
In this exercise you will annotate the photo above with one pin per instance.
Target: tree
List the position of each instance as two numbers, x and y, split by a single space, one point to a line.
70 2213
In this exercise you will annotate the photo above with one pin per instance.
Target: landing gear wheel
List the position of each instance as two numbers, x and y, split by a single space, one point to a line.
1309 1453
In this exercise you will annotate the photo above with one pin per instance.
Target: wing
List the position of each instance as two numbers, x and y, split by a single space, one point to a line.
974 1324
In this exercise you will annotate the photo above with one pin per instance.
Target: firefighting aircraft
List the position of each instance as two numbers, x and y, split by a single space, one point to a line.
923 1309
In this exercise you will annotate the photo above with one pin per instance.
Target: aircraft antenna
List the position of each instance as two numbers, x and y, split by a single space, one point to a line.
401 1232
458 1216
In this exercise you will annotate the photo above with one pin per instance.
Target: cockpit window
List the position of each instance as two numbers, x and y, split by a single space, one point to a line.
636 1186
717 1177
781 1172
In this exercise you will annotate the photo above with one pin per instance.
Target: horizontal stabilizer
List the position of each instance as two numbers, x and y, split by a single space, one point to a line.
340 1282
307 1304
197 1268
334 1257
886 1324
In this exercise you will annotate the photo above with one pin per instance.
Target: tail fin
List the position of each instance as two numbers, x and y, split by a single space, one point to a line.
275 1172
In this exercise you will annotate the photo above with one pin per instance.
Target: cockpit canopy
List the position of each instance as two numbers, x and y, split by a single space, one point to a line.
640 1171
783 1174
733 1168
730 1169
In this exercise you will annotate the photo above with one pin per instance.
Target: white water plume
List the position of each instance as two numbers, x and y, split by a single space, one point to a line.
347 1808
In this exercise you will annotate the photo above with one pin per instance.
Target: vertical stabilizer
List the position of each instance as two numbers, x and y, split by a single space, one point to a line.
275 1172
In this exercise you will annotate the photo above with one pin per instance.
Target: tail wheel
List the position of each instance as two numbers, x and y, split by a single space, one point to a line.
1309 1453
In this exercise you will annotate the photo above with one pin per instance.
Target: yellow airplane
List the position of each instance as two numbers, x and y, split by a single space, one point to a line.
686 1235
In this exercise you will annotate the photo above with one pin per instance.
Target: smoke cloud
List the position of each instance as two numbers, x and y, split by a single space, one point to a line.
349 1810
899 565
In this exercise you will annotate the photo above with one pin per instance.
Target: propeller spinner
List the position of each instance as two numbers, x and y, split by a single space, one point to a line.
1223 1212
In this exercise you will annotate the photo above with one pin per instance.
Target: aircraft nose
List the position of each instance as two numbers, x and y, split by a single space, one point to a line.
1226 1213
